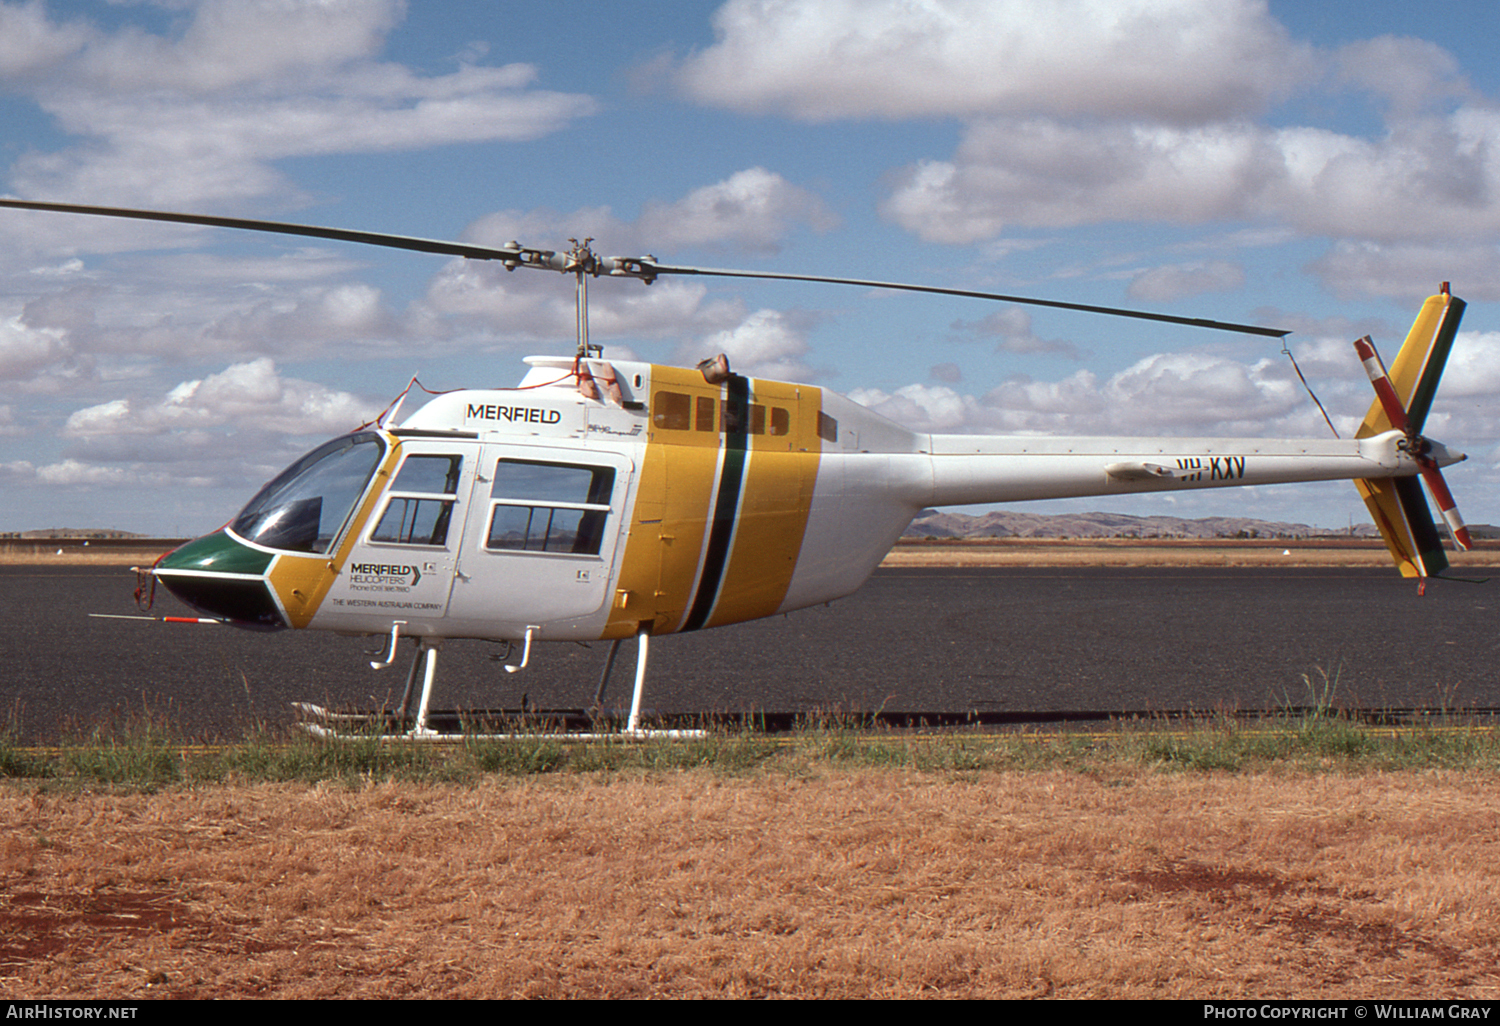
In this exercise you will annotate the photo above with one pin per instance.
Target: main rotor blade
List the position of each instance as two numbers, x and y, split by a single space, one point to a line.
1196 322
644 268
279 227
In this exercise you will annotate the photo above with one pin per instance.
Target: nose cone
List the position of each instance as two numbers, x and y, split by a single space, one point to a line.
222 577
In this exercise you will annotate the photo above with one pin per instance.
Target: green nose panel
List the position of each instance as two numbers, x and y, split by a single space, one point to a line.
217 553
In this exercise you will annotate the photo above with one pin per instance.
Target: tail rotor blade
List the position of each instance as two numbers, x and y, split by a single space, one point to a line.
1444 499
1384 390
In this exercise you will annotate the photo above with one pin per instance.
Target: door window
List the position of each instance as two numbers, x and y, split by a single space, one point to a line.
421 501
549 507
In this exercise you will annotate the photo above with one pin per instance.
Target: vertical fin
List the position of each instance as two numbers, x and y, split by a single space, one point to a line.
1419 365
1400 512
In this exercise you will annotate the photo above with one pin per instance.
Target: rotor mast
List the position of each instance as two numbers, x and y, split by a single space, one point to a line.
583 261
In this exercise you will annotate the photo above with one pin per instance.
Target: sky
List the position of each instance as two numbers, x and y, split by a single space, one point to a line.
1317 167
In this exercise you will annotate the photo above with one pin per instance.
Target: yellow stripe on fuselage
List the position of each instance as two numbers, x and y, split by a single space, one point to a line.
666 532
667 566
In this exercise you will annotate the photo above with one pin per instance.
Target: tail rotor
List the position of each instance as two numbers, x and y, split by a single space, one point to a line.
1403 398
1419 448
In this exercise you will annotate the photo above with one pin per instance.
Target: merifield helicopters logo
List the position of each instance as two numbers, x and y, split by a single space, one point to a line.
384 576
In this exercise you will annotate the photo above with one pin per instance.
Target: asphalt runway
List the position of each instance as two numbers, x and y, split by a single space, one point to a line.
951 640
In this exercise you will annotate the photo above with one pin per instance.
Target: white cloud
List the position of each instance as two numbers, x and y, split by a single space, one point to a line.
1201 390
234 43
249 398
767 344
1042 173
179 308
290 323
934 408
500 306
1164 394
1011 326
225 431
197 118
111 417
754 209
1473 367
31 44
1409 271
1175 281
1410 74
818 60
25 350
74 472
1435 175
17 471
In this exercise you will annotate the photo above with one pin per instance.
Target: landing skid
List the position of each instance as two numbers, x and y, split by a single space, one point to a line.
483 725
459 725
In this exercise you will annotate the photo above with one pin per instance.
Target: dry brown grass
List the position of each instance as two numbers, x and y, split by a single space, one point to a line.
49 556
842 883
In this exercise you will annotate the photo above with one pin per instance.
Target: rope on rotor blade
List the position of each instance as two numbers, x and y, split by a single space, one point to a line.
1288 351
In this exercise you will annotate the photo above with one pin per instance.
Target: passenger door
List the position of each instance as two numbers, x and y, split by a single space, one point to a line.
540 541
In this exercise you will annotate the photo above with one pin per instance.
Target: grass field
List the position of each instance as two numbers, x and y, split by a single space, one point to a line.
1313 858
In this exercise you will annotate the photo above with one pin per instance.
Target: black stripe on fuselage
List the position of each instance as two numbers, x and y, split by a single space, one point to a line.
727 503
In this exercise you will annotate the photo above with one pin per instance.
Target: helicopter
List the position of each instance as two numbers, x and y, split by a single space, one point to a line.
603 500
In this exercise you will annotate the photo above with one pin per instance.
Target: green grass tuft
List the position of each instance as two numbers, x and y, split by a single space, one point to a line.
142 755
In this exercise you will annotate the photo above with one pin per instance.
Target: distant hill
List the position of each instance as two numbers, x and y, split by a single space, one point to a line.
931 523
71 532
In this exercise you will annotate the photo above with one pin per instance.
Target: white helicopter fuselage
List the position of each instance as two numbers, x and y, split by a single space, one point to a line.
604 500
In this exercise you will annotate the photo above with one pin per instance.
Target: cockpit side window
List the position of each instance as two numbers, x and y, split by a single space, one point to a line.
305 507
549 507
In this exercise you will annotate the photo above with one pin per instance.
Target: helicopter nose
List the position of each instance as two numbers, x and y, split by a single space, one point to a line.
224 578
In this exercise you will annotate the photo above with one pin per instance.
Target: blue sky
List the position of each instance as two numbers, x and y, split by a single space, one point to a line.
1319 167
